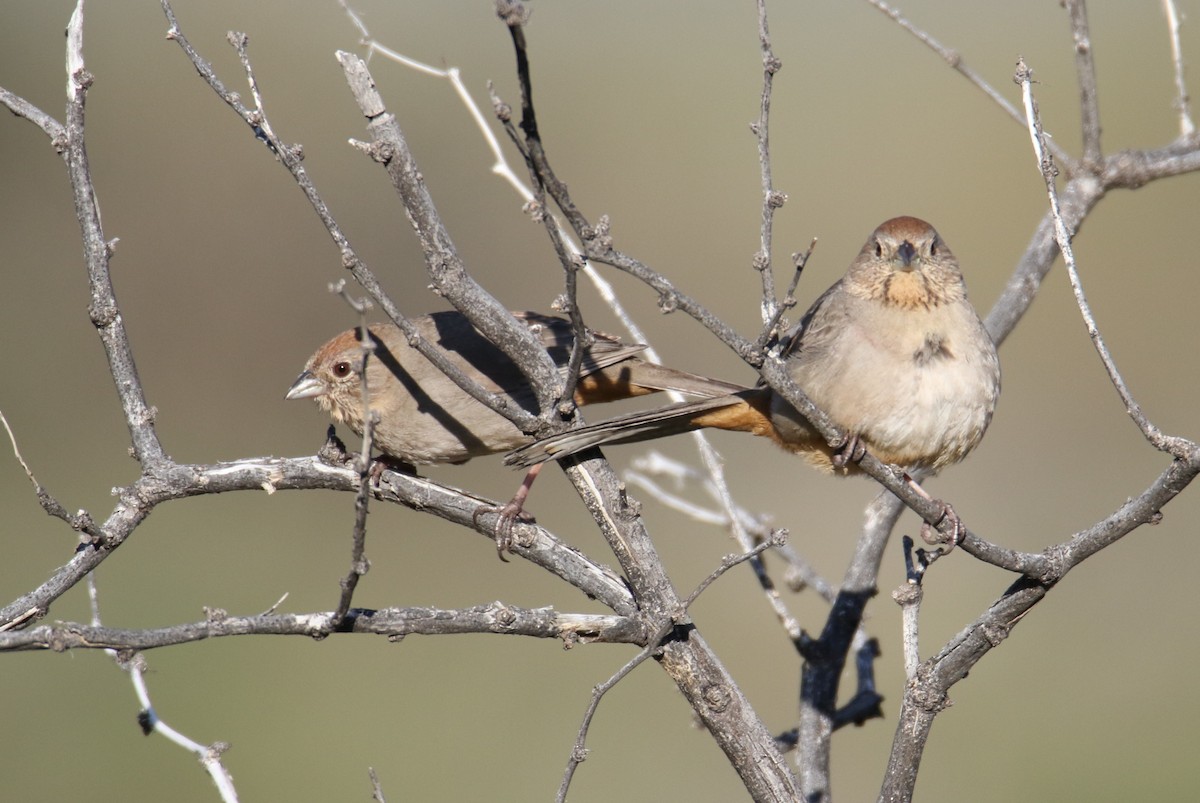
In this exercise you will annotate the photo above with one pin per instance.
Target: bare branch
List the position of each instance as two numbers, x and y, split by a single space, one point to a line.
273 474
148 718
1187 128
376 787
579 748
908 597
23 108
1173 445
393 623
103 309
359 565
825 657
771 200
927 692
1085 68
955 60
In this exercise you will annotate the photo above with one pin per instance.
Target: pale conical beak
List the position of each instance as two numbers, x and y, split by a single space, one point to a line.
306 386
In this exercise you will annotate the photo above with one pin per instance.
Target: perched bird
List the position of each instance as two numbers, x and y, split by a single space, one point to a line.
893 352
425 418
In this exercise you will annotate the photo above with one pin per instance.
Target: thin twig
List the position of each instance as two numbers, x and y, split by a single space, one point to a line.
359 565
495 618
746 529
446 269
501 166
771 330
135 664
955 60
103 308
1178 447
1187 128
1085 69
20 107
909 597
80 522
579 751
771 200
376 787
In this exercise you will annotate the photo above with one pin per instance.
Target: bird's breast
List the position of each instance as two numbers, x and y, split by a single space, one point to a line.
918 385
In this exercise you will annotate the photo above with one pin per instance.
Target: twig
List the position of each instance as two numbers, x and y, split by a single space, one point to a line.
772 200
955 60
1178 447
23 108
771 330
135 664
909 597
376 787
103 309
926 694
49 504
1085 69
359 565
1187 128
135 502
500 165
746 528
579 752
495 618
653 463
825 657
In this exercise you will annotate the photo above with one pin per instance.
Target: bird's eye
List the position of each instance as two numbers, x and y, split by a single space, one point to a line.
933 248
341 370
878 249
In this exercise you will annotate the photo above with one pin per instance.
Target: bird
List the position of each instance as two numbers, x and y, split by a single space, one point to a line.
893 353
424 418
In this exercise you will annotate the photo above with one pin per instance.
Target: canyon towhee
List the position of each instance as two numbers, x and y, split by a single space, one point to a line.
893 352
425 418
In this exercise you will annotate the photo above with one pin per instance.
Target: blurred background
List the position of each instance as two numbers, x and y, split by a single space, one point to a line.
221 272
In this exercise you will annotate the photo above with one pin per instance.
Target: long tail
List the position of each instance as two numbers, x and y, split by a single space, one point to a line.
623 378
744 411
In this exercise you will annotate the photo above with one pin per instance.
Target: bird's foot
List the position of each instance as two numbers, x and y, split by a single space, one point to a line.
384 463
852 450
931 535
508 514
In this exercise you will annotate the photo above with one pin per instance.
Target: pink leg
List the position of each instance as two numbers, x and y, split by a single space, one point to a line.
508 513
930 535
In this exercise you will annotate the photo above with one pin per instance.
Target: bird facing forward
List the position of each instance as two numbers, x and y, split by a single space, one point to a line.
893 352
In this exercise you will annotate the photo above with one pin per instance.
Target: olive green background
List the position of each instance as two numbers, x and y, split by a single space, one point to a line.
221 272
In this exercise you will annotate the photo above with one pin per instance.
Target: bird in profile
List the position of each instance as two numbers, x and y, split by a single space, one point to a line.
424 418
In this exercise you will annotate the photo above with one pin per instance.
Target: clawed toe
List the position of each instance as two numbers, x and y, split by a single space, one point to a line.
507 516
852 451
934 537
